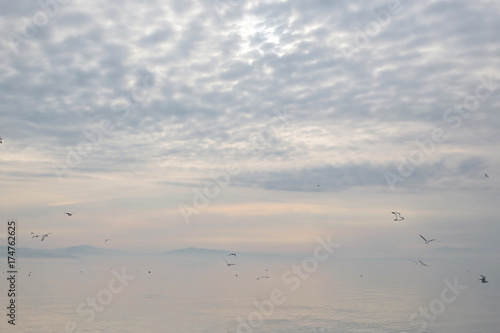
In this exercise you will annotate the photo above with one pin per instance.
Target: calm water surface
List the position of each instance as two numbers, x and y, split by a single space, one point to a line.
202 294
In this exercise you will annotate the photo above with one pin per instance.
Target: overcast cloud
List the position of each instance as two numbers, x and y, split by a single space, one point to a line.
121 111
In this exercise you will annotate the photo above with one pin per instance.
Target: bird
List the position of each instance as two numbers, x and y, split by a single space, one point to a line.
263 277
69 214
45 236
427 241
232 254
398 216
483 279
33 235
228 263
107 239
486 175
423 263
1 140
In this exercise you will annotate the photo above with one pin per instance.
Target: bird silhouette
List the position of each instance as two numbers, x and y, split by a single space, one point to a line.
398 216
45 236
427 241
228 263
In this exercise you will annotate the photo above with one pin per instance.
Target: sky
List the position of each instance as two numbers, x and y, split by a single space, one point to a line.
252 126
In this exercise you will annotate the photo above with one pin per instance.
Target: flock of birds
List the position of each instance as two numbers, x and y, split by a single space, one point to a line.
399 217
229 264
43 236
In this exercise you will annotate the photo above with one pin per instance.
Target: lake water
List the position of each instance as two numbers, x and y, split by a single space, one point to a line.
203 294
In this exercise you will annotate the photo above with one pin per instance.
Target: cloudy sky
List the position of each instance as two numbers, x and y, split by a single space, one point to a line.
168 124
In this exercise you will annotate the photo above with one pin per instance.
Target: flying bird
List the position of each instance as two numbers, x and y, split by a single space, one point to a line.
0 140
69 214
486 175
398 216
107 239
263 277
423 263
427 241
33 235
232 254
483 279
45 236
228 263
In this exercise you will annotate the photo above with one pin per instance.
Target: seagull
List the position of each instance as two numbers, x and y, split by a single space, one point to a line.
486 175
483 279
423 263
107 239
398 216
263 277
427 241
229 264
34 235
69 214
45 236
0 140
232 254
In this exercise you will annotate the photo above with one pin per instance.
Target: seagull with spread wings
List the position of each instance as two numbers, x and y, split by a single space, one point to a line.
483 279
228 263
427 241
420 261
45 236
69 214
398 216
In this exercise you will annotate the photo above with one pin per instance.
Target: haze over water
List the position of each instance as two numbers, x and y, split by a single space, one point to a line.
202 294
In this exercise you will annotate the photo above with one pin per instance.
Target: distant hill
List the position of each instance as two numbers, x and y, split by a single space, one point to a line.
23 252
193 251
87 250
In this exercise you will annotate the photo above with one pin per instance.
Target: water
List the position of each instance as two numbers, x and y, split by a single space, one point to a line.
202 294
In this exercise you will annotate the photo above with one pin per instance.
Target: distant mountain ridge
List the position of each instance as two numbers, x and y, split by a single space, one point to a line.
80 251
196 251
